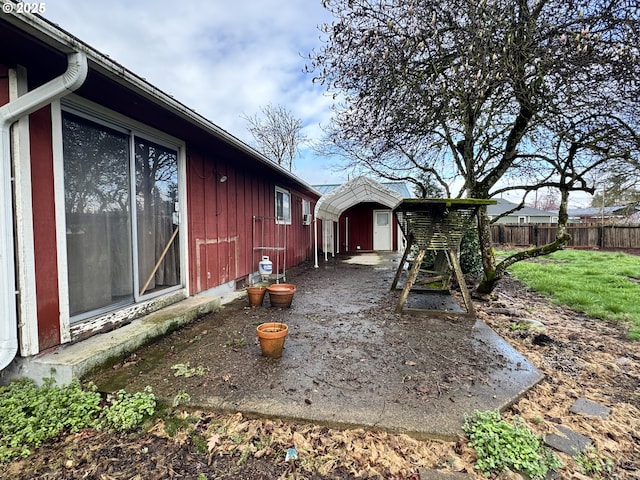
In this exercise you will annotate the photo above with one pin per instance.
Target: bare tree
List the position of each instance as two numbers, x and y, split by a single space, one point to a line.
545 200
277 134
498 94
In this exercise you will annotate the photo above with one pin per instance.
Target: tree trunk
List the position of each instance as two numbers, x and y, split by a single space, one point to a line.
489 280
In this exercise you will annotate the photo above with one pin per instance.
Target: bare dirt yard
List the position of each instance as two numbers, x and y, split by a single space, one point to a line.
579 357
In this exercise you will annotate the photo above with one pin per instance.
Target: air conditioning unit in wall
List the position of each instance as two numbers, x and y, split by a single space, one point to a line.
306 219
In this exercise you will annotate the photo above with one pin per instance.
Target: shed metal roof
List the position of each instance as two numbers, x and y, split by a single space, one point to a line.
360 189
400 187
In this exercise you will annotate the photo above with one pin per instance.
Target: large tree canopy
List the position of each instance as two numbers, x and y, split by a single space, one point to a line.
484 94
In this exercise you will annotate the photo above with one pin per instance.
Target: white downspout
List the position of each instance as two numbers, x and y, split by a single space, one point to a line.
13 111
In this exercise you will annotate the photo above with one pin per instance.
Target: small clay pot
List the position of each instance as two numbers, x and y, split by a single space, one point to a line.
256 295
281 294
272 336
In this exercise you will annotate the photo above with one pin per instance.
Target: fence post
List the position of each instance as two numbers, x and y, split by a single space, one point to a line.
601 236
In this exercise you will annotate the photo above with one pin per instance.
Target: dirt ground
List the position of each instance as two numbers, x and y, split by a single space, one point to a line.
579 357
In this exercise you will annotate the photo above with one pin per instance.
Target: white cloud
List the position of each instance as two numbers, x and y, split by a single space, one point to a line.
221 58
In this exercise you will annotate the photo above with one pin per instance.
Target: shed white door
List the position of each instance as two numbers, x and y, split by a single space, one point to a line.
382 230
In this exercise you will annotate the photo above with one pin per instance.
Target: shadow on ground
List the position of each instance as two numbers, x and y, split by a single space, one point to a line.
348 360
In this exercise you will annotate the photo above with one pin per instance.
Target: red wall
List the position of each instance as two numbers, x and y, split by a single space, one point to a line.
46 267
4 85
222 231
361 227
44 229
220 218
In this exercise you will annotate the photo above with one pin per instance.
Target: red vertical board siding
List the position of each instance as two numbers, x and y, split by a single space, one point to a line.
360 227
394 232
194 215
221 237
4 84
242 227
221 272
44 229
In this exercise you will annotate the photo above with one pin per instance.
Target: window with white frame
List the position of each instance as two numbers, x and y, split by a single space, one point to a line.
306 212
283 206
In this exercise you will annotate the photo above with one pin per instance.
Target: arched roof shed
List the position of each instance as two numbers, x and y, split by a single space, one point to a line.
358 190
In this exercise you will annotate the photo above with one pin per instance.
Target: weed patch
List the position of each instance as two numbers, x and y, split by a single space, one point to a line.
501 446
31 415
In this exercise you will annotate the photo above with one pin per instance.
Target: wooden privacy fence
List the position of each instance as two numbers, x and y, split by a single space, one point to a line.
582 235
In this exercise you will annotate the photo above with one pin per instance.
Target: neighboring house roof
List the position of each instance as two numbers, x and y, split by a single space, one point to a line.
505 205
399 187
360 189
622 210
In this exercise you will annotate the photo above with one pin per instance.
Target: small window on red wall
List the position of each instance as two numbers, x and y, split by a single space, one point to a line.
283 206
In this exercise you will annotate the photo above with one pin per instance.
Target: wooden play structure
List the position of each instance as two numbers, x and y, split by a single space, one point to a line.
437 226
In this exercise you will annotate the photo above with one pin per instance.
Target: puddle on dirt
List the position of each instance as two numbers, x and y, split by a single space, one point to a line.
438 301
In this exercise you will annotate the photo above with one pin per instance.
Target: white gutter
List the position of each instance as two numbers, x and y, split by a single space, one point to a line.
13 111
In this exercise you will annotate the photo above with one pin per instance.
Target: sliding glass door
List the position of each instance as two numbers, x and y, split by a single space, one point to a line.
157 225
121 194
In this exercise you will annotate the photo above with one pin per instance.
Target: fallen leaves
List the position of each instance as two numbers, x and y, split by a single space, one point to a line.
323 450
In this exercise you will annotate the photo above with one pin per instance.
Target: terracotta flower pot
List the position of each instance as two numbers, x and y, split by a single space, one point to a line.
272 336
281 294
256 295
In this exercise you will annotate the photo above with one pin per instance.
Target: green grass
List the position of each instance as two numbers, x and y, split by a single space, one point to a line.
603 285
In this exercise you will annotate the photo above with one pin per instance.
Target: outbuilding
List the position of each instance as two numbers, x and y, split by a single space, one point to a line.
357 216
506 212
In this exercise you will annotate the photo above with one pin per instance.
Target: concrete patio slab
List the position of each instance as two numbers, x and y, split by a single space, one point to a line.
349 360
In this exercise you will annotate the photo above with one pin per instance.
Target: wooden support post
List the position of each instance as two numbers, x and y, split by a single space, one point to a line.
413 274
453 256
394 284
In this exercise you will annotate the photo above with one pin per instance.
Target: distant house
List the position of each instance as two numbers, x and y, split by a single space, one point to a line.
358 215
118 200
617 214
523 216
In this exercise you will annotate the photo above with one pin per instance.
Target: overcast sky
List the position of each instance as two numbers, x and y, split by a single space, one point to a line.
222 58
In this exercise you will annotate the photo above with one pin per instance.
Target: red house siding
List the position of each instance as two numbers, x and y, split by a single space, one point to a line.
219 215
44 229
360 229
46 268
4 84
222 230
